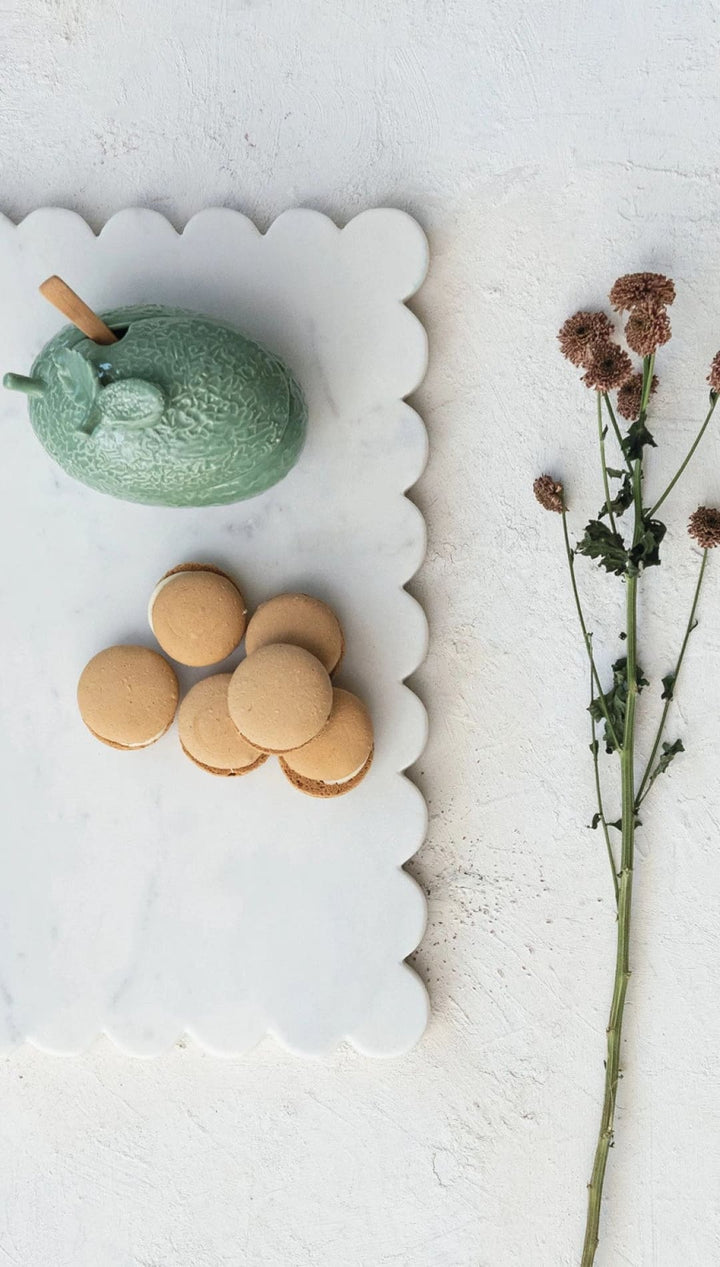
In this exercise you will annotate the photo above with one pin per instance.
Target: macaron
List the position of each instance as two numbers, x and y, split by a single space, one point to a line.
337 759
197 614
208 736
280 697
127 696
302 621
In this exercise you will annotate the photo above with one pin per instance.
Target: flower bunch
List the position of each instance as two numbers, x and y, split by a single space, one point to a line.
589 341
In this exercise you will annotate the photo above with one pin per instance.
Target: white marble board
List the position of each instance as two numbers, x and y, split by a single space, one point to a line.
139 896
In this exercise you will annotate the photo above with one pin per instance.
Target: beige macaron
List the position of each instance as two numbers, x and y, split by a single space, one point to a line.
197 614
127 696
302 621
340 756
280 697
208 736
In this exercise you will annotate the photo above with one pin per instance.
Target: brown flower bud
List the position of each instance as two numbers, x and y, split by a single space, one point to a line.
647 329
629 397
642 288
580 334
549 492
704 526
714 375
608 367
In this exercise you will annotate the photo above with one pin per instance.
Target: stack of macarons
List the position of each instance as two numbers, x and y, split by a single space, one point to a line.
280 700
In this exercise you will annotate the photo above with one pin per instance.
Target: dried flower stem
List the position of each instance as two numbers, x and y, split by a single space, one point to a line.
650 774
625 883
587 639
646 295
603 463
593 727
622 958
691 451
616 429
598 792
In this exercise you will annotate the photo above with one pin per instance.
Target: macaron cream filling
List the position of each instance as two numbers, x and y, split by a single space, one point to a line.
347 777
145 743
160 586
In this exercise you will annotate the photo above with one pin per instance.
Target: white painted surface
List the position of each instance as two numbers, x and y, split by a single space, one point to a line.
149 900
545 149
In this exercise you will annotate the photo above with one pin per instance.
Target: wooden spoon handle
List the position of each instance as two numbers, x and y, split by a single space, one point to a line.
72 306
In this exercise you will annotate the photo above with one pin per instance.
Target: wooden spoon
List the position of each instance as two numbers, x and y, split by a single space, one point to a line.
72 306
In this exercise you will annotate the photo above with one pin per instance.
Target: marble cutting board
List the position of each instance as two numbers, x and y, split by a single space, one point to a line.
140 897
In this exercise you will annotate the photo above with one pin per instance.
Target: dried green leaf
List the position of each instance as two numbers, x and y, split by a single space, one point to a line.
623 498
646 551
669 752
616 701
636 438
601 543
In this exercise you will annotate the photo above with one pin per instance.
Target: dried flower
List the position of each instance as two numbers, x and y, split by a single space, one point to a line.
714 375
629 397
608 367
640 289
647 328
581 333
704 526
627 552
549 492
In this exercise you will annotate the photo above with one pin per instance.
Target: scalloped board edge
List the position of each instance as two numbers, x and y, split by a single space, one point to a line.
376 1037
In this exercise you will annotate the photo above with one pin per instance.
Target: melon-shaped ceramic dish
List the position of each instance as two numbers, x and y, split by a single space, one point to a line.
182 410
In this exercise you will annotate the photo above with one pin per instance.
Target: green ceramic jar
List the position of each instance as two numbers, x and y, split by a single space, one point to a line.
182 410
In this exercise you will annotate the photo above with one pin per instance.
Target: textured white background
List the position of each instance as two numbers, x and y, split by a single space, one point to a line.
545 148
